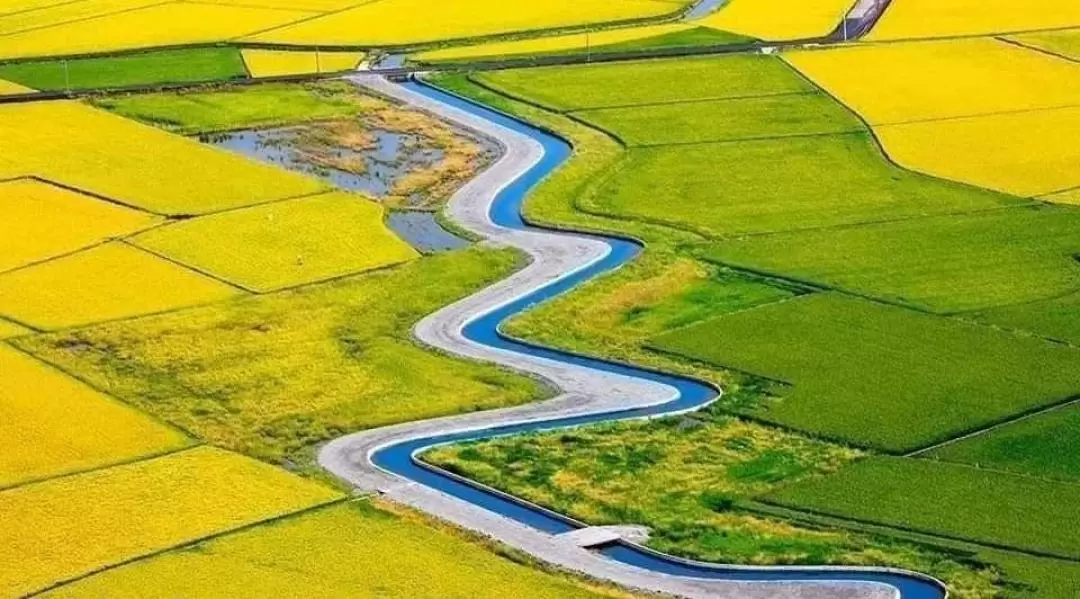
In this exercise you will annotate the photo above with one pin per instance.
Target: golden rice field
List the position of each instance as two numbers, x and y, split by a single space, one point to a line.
323 553
310 5
284 244
403 22
9 329
90 149
554 43
979 111
909 19
150 26
276 63
66 12
1064 43
779 20
42 221
67 527
8 88
1027 154
51 424
915 81
106 282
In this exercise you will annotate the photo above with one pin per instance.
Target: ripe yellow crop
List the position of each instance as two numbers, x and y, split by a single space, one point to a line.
1069 196
285 243
151 26
396 22
554 43
914 81
42 221
8 88
274 63
135 164
1066 43
65 12
9 329
907 19
1026 153
779 20
63 528
107 282
51 424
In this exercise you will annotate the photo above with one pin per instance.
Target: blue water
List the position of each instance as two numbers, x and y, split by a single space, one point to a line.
399 459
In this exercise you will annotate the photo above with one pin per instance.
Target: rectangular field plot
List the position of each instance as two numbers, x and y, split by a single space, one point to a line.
42 220
107 282
951 500
275 63
65 12
879 375
945 263
60 529
153 25
649 82
284 244
915 81
400 22
51 424
164 66
135 164
1027 154
779 20
336 551
725 120
907 19
777 185
1043 445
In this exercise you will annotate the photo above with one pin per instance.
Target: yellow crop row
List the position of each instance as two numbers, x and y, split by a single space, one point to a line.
17 6
275 63
1065 43
158 25
779 20
398 22
554 43
1026 153
104 283
909 19
134 164
42 221
912 81
63 528
308 5
51 424
339 551
284 244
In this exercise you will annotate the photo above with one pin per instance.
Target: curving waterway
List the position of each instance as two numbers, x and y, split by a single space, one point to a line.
400 458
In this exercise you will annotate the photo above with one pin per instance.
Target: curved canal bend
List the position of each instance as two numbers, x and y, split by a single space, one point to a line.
395 453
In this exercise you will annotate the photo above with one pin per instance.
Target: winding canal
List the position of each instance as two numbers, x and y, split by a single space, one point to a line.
399 458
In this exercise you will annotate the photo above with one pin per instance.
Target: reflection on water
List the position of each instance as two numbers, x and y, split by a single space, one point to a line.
704 7
423 231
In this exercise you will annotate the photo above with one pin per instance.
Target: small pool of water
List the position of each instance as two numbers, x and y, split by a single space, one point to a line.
373 171
702 8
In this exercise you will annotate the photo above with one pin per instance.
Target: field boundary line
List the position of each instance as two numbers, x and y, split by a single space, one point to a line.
915 530
237 286
149 4
704 100
191 543
965 36
1068 402
248 6
192 444
87 192
735 140
44 7
984 115
1011 40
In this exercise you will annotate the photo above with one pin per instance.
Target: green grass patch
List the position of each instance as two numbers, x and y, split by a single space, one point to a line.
272 375
1044 445
948 263
182 65
264 105
648 82
689 38
878 375
952 500
1057 319
776 185
725 120
685 478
